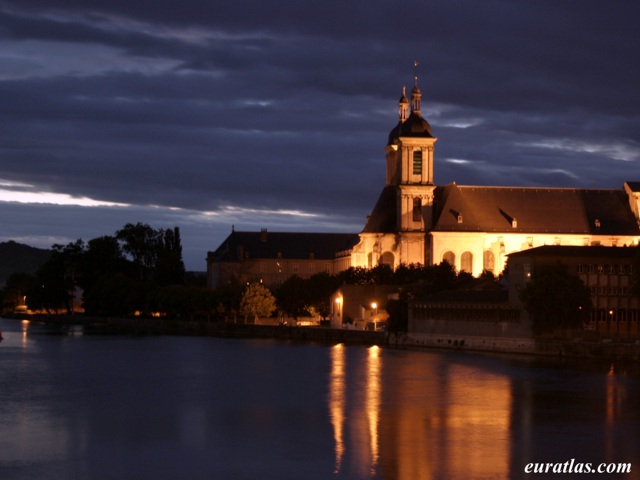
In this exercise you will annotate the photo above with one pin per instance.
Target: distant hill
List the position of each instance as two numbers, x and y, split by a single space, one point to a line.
19 258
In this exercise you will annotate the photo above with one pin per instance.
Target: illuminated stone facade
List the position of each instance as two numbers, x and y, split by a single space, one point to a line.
474 228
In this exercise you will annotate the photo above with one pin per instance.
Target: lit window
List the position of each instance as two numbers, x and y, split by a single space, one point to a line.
417 162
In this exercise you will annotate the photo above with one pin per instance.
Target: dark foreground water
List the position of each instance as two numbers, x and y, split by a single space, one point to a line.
75 406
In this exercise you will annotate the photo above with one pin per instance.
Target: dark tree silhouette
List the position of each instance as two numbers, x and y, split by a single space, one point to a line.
555 299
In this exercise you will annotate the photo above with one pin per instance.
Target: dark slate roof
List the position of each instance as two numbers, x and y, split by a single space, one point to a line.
383 218
536 210
413 126
634 186
596 251
290 245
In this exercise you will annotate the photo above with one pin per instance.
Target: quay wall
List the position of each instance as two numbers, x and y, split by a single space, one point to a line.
163 326
603 349
551 347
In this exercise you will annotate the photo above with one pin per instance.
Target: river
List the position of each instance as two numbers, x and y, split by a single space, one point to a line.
75 406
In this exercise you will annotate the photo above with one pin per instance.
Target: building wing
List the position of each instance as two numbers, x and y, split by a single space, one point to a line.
533 210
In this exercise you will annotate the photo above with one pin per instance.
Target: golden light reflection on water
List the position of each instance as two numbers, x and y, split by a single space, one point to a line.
25 328
364 444
372 404
456 423
337 390
476 422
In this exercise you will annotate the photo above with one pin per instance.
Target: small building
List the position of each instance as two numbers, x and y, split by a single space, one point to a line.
272 257
482 309
609 272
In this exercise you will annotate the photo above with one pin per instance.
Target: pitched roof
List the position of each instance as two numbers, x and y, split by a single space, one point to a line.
534 210
383 218
634 186
595 251
286 245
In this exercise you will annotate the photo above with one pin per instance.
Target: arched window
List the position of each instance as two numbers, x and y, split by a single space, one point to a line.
417 162
466 262
387 258
450 258
489 261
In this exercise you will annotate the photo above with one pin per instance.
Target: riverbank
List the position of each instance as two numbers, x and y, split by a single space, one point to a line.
558 348
548 347
163 326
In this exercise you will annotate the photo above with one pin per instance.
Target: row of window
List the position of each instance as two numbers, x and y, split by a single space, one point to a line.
291 267
622 269
604 290
615 315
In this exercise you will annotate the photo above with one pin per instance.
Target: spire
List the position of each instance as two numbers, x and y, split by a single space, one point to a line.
403 105
415 92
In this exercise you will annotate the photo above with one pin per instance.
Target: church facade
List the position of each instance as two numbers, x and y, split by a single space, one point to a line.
474 228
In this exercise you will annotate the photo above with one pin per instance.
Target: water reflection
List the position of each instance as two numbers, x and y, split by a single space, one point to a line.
372 404
439 419
175 407
337 393
476 423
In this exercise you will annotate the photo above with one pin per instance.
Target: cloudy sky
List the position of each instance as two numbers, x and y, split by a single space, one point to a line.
204 114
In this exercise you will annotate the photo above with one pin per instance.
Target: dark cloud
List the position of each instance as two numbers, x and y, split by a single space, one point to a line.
275 114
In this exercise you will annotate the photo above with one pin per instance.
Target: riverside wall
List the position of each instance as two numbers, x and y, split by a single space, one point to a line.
549 347
163 326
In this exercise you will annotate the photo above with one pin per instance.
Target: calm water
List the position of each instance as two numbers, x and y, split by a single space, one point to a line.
75 406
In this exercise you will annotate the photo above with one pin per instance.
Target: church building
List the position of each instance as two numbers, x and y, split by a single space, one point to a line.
474 228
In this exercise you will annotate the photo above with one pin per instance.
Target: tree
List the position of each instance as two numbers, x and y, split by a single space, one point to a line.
229 296
257 301
141 243
555 299
292 297
398 320
170 267
14 291
321 286
156 253
114 294
103 256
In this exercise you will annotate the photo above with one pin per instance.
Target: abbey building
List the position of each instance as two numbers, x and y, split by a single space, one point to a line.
474 228
414 221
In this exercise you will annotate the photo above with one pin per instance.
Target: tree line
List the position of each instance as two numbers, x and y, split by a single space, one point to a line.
139 270
117 274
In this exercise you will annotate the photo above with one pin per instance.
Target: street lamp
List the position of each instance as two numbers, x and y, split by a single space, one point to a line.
374 307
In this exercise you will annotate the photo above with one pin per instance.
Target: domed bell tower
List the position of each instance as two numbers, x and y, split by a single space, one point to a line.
409 153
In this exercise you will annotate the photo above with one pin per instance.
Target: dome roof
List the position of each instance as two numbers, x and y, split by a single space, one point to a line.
414 126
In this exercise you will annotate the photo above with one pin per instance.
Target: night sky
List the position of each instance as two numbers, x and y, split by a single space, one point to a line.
207 114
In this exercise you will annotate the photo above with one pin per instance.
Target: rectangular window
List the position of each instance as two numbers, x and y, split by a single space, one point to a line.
417 162
417 210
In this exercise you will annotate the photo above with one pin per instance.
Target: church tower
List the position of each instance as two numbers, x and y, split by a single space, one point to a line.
395 232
